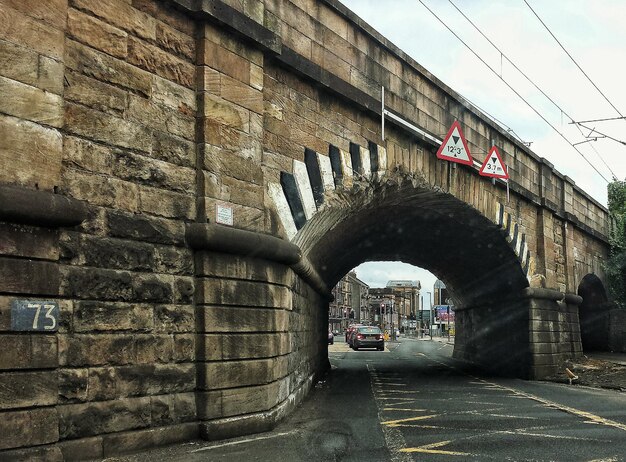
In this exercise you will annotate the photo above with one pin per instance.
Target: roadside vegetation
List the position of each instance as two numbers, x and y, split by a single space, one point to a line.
616 264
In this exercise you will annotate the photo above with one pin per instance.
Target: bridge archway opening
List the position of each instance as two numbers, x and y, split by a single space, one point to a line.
407 220
593 313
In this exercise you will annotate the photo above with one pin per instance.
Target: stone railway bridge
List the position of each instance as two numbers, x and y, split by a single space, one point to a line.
130 128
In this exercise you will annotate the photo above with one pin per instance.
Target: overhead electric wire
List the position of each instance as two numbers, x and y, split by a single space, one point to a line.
573 60
513 89
502 55
597 120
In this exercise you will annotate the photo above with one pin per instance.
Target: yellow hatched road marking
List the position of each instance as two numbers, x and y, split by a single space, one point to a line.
430 449
393 423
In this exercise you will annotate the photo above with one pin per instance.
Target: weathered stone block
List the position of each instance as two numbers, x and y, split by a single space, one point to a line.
184 348
253 399
237 401
155 173
256 77
217 57
166 204
103 127
39 36
79 249
52 12
102 384
175 41
245 293
216 109
46 453
174 318
50 75
88 419
97 34
26 389
100 190
173 95
94 283
28 428
95 350
120 443
154 379
93 316
73 385
28 277
82 449
154 349
120 14
173 149
24 65
233 164
33 151
95 94
31 103
144 228
161 118
153 288
173 260
230 374
106 68
28 241
171 409
232 319
155 60
237 192
243 346
231 89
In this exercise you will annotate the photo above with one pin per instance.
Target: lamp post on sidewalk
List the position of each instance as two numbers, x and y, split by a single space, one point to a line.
430 315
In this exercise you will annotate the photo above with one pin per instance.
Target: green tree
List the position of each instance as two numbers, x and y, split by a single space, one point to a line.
616 264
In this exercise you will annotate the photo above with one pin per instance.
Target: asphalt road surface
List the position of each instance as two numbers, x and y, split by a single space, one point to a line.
412 402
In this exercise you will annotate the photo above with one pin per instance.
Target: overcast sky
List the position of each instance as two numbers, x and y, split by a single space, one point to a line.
592 31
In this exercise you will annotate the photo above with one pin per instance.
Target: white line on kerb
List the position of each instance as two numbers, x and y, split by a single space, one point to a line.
249 440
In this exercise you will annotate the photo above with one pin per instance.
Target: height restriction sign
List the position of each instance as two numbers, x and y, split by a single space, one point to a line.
454 147
493 165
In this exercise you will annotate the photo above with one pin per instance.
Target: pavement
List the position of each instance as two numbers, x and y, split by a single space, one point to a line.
617 358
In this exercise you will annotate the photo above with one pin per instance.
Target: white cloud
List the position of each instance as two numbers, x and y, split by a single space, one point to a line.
377 274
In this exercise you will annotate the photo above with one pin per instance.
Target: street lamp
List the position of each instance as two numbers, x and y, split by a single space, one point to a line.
430 314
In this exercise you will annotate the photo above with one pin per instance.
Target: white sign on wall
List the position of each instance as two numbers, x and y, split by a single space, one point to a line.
224 215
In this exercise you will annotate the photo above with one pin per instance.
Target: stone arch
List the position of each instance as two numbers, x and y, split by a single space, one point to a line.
402 217
593 313
347 207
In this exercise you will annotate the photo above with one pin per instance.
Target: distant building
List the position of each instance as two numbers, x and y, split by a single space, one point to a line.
396 305
349 304
443 310
407 295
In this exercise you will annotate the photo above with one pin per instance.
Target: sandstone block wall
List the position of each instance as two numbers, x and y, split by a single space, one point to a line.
122 122
260 343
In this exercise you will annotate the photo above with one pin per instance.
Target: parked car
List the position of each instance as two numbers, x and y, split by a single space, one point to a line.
331 338
351 332
368 337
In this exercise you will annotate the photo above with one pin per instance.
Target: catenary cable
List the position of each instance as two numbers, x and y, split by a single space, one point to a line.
529 80
573 60
513 90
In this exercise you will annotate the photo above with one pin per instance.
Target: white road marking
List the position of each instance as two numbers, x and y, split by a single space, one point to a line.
248 440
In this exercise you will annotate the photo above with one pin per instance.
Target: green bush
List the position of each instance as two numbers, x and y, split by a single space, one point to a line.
616 264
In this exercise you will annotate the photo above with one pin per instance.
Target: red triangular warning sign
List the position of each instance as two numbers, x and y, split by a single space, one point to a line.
454 147
493 165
